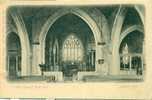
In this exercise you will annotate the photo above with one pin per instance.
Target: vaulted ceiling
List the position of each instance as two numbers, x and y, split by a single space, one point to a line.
30 13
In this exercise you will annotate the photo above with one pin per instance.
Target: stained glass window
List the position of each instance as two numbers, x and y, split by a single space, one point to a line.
72 49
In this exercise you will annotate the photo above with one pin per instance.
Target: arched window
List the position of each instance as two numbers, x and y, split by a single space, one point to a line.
72 49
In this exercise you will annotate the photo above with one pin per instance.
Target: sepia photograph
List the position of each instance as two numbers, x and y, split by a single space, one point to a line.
75 50
75 43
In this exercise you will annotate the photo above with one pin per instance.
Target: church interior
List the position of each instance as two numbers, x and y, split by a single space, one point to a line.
75 43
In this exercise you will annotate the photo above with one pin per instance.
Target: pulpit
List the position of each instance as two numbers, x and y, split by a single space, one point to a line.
70 69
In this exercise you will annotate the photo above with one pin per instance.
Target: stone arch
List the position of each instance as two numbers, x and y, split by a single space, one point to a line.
11 28
140 10
116 36
118 22
78 12
102 23
129 30
15 45
25 45
124 34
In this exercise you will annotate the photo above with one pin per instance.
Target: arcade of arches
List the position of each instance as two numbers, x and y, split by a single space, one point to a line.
75 43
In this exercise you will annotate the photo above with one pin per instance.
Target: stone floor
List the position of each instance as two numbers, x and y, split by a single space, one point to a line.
120 78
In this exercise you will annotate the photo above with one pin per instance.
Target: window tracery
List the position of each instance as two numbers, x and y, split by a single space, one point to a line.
72 49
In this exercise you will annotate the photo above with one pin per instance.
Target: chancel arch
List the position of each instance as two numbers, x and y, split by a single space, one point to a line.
66 40
79 13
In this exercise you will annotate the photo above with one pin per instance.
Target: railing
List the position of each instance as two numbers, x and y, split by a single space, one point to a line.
134 63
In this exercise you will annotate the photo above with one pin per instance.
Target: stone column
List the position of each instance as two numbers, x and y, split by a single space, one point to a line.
8 64
99 55
130 60
16 64
115 35
92 58
36 60
25 62
115 62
